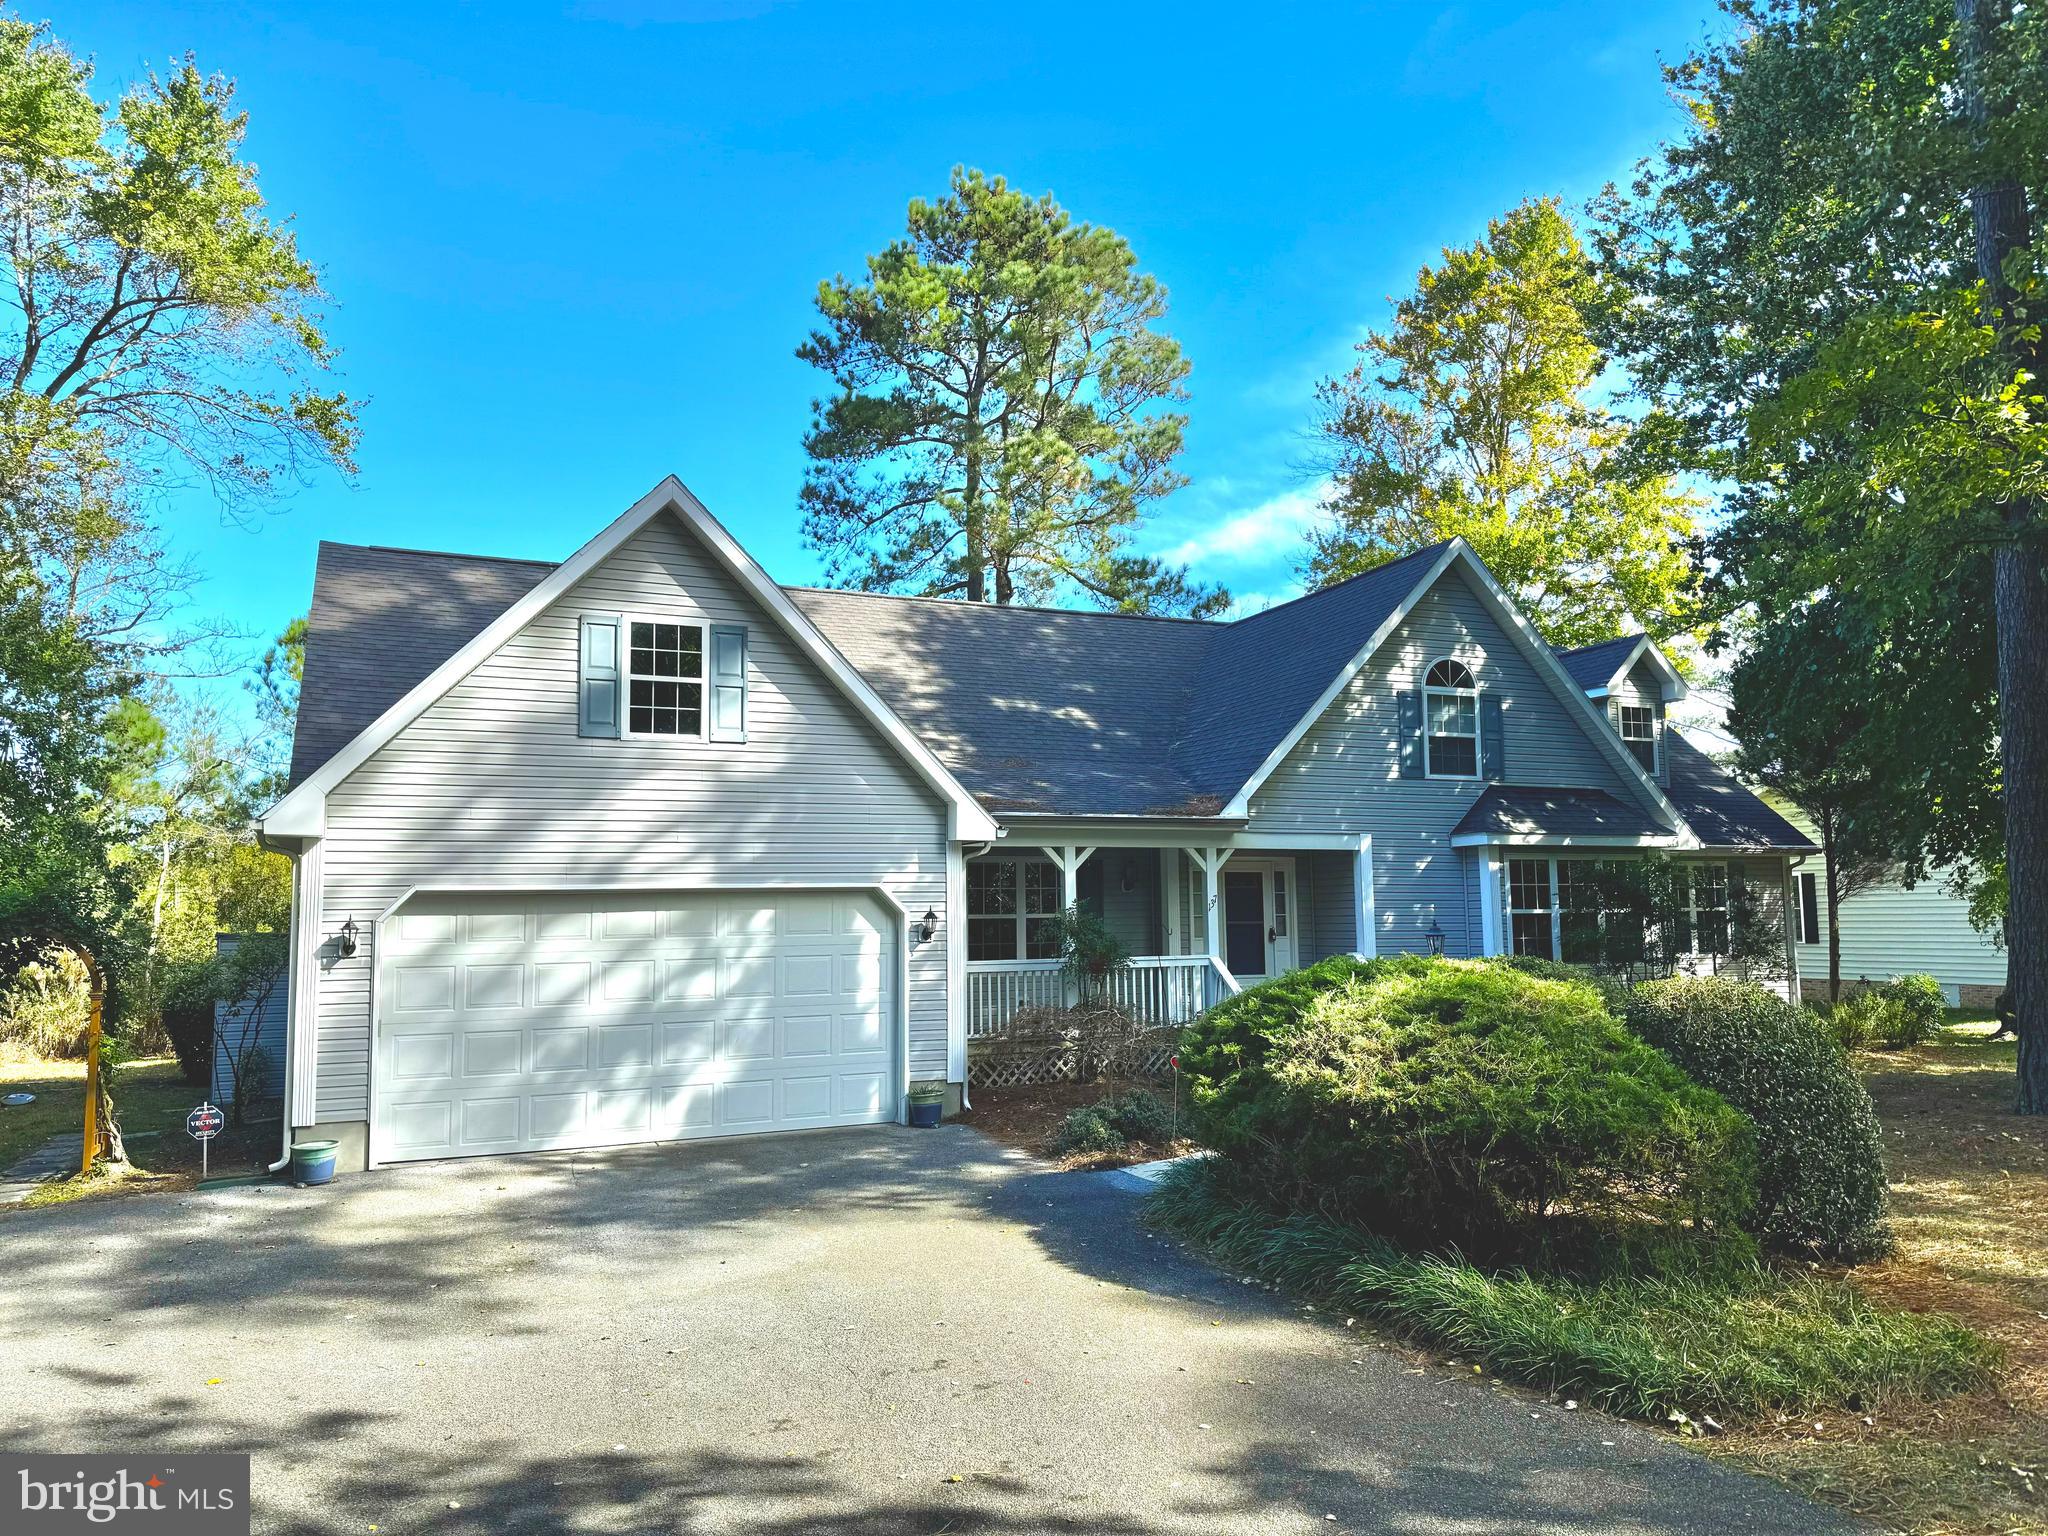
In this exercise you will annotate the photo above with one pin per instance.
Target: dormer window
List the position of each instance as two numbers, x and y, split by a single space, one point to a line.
1639 734
1450 710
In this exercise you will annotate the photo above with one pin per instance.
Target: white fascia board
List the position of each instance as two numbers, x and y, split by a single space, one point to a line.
303 812
1567 840
1240 803
1673 686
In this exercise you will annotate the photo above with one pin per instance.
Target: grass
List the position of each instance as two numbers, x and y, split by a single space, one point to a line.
1969 1192
149 1096
1744 1344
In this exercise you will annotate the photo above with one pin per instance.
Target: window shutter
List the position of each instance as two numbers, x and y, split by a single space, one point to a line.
597 711
1493 738
1408 717
728 682
1736 887
1663 757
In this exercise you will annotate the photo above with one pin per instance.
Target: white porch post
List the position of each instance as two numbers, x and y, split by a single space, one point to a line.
1210 861
1492 922
1070 859
1366 915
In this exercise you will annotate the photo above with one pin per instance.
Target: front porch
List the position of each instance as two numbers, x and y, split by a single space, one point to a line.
1200 921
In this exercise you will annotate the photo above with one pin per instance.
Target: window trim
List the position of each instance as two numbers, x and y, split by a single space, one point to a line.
1429 768
1693 868
1022 918
1548 912
627 676
1654 738
1808 887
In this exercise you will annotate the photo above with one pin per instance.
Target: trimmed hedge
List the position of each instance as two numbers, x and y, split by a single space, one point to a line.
1612 989
1464 1103
1820 1161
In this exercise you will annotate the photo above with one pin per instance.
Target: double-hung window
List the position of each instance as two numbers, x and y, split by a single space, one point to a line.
664 679
1013 906
1639 734
1709 909
1450 711
1532 908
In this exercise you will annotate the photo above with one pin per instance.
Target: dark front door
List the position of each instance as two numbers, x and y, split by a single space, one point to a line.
1244 923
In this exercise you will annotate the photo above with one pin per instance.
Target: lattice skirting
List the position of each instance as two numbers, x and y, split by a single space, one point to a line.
1001 1063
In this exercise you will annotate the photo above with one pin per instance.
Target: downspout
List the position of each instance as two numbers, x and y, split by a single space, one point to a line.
959 926
284 1155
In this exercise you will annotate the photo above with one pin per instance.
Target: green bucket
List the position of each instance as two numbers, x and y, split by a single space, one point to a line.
313 1162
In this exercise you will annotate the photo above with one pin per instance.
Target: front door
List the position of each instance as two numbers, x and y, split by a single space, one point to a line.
1258 918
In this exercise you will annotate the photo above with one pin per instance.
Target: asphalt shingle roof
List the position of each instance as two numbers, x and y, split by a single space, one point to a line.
1032 709
1528 810
1593 666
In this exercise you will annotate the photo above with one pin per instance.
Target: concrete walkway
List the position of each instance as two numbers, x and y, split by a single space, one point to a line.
886 1331
57 1158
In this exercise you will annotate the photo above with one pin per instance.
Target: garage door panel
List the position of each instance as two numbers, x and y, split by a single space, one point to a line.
530 1021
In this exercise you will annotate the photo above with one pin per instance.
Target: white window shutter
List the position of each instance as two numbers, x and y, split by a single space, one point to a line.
728 682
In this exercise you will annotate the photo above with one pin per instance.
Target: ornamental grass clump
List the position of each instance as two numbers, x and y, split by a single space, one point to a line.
1819 1158
1454 1104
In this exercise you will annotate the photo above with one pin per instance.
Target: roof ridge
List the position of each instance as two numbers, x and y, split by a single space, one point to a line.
440 554
1427 551
1580 650
963 606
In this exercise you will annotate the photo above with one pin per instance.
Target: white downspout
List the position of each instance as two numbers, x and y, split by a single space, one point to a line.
291 961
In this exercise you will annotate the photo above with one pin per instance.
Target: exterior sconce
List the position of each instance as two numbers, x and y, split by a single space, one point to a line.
1435 936
927 926
346 945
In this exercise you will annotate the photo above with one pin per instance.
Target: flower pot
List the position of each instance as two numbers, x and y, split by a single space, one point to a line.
926 1112
313 1162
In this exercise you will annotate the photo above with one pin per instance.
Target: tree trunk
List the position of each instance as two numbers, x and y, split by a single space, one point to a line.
1834 880
1999 212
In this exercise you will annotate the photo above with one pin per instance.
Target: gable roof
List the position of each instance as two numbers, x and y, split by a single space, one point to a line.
1512 812
303 810
1720 809
1598 667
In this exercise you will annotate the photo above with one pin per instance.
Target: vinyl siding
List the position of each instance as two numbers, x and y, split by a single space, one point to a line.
492 786
1890 930
1328 926
1643 686
1345 774
232 1033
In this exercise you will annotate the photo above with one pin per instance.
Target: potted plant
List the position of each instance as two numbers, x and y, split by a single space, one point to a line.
927 1103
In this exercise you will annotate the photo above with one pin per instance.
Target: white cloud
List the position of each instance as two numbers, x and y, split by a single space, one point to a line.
1268 533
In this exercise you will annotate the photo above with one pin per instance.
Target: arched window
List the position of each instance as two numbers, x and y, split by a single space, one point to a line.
1450 713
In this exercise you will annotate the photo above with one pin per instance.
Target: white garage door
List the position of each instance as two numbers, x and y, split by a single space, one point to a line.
516 1023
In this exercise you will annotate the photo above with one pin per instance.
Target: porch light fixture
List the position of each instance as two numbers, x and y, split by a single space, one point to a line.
346 945
1435 936
927 926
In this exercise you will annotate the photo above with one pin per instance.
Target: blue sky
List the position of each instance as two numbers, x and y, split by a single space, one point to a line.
572 248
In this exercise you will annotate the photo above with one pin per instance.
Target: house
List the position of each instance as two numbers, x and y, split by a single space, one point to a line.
1891 929
644 846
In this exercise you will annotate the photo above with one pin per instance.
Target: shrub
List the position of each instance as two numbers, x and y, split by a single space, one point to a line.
1461 1102
1729 1339
1085 1131
1858 1021
1820 1163
1919 1010
1612 988
46 1005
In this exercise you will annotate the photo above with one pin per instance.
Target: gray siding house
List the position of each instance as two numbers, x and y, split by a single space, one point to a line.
644 846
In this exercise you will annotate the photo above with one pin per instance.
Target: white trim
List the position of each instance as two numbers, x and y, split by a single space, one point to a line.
1493 926
597 887
1429 770
1267 870
303 812
1541 656
627 677
953 933
1655 738
302 1043
1673 686
1563 840
1366 913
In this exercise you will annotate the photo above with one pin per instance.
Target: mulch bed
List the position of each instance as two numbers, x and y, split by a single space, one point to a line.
1028 1118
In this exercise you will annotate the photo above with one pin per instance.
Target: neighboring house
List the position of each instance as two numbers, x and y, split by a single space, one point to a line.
645 846
257 1024
1890 929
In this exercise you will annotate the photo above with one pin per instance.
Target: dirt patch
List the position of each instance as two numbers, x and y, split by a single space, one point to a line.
1029 1118
1969 1189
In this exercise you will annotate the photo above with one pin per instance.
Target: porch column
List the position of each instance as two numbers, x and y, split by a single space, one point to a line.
1070 859
1210 861
1492 923
1366 913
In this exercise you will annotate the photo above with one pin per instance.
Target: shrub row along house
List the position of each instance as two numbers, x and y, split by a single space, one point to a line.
644 846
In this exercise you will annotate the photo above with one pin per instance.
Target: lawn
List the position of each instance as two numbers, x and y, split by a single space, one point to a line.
1969 1188
150 1101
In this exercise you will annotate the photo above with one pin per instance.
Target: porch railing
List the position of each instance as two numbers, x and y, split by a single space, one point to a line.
1158 991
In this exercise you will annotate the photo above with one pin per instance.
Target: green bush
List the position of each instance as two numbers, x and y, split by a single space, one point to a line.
46 1005
1458 1102
1919 1010
1820 1163
1729 1339
1087 1131
1858 1021
1610 986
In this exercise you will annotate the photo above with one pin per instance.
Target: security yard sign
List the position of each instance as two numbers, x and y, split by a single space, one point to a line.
202 1125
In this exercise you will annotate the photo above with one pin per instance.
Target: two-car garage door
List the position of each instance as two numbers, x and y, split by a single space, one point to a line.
521 1022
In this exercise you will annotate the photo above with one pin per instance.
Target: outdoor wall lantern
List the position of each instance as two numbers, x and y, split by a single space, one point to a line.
347 943
1436 938
928 926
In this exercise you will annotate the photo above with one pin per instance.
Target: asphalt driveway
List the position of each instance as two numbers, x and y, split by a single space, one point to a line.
889 1331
